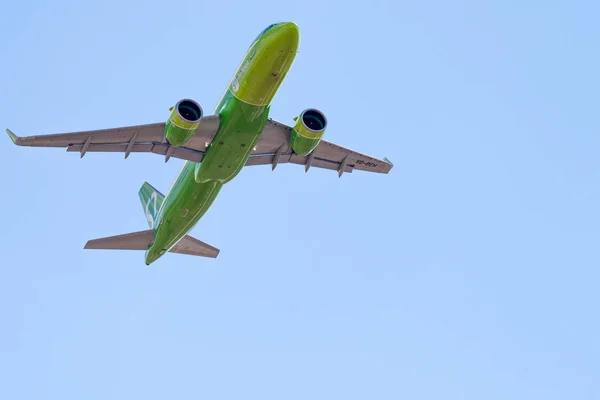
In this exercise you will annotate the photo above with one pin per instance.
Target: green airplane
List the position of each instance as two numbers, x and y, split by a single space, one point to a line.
215 147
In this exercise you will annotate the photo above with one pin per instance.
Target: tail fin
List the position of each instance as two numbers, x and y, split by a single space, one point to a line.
152 200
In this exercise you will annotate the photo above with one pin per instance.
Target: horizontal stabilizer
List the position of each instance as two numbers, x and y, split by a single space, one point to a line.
128 241
194 247
141 240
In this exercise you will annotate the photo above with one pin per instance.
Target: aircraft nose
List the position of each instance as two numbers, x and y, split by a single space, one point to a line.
286 30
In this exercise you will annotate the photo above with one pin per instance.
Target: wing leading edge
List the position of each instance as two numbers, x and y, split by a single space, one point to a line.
273 147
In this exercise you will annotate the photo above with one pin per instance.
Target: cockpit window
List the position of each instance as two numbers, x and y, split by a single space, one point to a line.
263 32
267 28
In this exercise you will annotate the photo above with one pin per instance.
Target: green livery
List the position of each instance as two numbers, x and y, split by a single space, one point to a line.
152 201
243 112
216 148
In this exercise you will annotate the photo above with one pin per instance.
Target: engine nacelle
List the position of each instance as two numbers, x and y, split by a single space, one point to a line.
308 131
183 122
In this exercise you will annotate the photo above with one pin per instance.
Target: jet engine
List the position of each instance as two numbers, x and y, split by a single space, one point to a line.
308 131
183 122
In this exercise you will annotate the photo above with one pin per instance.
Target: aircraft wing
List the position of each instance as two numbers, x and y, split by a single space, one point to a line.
130 139
273 147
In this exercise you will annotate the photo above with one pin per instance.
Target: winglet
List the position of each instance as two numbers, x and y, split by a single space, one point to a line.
388 161
13 137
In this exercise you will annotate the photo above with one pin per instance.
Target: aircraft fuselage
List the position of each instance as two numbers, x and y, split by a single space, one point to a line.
243 112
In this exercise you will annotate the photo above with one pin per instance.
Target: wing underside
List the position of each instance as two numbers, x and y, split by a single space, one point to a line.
273 147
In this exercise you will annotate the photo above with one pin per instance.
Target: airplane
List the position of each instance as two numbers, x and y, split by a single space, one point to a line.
215 147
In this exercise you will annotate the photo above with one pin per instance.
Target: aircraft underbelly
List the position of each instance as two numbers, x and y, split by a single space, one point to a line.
199 184
190 203
239 130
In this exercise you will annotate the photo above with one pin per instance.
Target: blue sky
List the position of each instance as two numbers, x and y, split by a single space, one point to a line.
469 272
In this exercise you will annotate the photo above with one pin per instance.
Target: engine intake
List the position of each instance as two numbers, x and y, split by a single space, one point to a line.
189 110
308 131
183 122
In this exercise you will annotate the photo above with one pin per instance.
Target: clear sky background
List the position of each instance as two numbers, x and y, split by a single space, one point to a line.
469 272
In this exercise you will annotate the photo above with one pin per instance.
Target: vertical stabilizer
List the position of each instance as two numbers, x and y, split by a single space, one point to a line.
152 200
